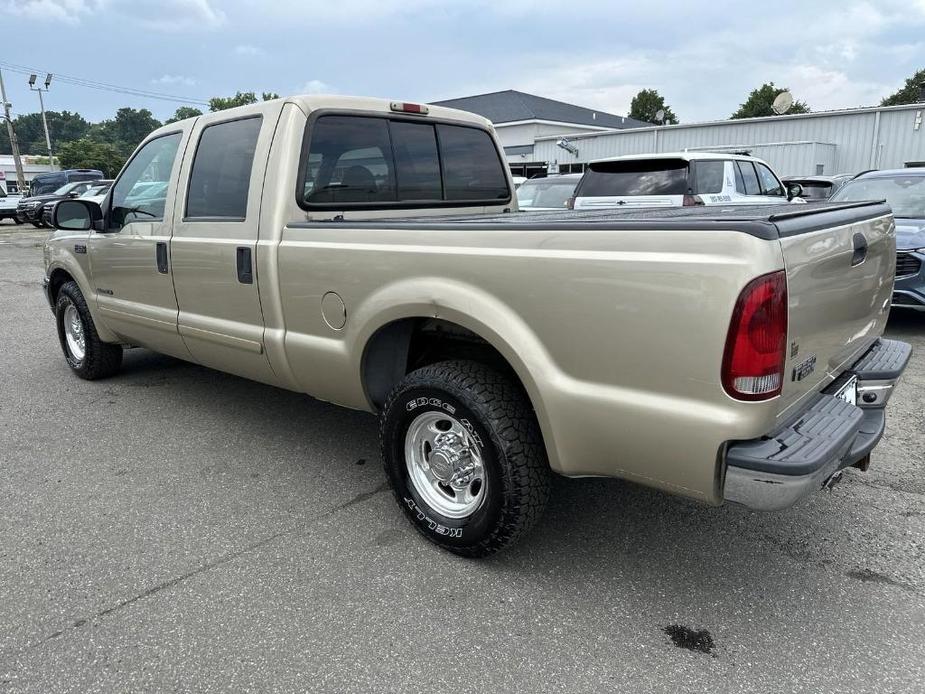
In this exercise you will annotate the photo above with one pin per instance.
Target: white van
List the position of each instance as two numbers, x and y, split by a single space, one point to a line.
681 179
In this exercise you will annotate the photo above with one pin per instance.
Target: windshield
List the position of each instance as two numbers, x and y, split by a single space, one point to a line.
545 192
63 190
635 177
905 194
815 190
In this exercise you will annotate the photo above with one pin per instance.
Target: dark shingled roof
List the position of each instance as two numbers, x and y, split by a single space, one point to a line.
511 105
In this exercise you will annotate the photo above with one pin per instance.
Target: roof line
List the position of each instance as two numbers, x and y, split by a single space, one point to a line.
731 121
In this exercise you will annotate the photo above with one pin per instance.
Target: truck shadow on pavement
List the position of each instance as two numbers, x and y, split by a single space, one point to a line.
595 531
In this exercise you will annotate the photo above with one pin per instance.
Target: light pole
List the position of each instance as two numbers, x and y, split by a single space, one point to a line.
32 78
14 143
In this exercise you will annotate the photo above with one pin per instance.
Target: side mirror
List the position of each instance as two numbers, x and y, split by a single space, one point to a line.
794 190
75 215
73 194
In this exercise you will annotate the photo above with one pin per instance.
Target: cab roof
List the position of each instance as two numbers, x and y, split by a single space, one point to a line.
315 102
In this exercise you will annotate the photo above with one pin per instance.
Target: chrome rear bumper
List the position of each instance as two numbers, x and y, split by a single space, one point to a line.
776 471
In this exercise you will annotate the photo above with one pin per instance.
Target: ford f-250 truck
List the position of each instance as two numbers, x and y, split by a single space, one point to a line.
370 253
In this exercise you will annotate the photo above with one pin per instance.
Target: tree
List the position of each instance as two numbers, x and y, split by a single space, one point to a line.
88 154
911 93
220 103
647 103
759 102
126 130
63 126
183 113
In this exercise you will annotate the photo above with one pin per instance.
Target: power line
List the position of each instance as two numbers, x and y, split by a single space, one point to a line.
104 86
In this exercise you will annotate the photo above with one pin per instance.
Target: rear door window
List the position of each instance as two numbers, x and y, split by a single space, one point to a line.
748 177
635 177
221 174
709 176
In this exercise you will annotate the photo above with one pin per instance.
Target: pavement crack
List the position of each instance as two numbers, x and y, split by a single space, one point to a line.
360 498
224 559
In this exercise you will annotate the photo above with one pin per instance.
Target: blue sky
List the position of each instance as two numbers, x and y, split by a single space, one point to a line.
595 53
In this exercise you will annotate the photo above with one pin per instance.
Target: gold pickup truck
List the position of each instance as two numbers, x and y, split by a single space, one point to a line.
371 254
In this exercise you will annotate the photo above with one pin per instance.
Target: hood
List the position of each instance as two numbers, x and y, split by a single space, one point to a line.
49 197
910 233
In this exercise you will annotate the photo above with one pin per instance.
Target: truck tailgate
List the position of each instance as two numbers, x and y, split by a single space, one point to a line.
839 284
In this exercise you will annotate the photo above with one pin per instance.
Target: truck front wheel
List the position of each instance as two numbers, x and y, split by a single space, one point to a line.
87 355
464 455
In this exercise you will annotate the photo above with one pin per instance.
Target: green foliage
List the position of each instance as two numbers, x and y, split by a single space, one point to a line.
183 113
911 93
647 103
220 103
90 154
63 126
759 102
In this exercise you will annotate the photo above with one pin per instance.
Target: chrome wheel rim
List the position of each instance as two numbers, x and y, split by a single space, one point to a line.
445 465
74 333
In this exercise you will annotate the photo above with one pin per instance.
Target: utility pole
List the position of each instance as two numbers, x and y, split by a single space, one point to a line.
51 161
14 143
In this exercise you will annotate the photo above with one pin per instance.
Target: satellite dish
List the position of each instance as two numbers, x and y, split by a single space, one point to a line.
660 116
782 103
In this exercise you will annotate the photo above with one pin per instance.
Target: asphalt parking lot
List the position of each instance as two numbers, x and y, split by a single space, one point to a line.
174 528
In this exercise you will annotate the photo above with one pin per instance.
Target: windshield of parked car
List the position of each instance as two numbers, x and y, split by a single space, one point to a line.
905 194
94 190
635 177
545 192
815 190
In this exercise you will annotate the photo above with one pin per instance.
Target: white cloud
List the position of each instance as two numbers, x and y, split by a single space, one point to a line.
174 79
315 87
248 50
69 11
163 15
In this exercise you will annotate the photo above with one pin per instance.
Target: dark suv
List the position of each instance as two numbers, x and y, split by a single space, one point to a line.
30 209
45 183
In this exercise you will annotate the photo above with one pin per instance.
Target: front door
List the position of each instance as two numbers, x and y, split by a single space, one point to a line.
130 260
214 243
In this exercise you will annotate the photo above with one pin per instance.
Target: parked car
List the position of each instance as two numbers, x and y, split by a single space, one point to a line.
904 192
518 181
681 179
31 209
45 183
96 192
549 193
363 251
818 187
8 204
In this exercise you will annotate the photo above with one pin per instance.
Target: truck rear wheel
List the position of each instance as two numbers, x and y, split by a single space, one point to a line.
87 355
464 455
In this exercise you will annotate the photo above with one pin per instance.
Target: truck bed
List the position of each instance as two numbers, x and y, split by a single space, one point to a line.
763 221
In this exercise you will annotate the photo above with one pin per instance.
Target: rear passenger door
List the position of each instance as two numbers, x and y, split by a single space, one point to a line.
214 244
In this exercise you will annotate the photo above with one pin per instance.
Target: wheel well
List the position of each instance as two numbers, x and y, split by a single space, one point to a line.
404 345
56 281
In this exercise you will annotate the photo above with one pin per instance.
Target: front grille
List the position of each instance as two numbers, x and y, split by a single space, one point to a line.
907 264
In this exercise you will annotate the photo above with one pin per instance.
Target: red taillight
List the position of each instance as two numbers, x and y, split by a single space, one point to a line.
405 107
753 364
692 201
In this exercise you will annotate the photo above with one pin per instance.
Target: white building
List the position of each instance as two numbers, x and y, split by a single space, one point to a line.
520 119
30 170
830 142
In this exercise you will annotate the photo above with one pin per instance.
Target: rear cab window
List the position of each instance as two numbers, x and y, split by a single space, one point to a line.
635 177
372 162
